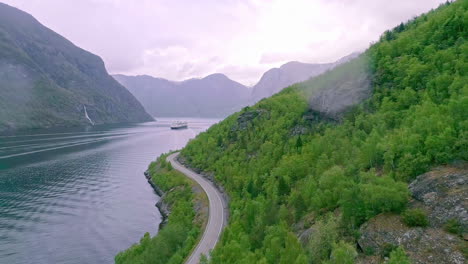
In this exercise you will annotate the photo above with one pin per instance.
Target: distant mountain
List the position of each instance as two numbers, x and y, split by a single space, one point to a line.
274 80
47 81
216 95
213 96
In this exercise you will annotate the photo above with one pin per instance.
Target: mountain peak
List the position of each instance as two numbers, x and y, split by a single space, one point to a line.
217 76
293 63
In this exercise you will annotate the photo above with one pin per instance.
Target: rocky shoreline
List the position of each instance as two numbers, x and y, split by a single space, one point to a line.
161 205
164 208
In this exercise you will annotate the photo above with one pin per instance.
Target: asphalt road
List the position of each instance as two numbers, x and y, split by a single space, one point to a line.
217 212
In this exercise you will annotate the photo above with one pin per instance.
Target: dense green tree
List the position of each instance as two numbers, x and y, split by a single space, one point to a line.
299 143
326 234
342 253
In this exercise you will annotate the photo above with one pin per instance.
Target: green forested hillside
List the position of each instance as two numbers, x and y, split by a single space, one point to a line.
288 166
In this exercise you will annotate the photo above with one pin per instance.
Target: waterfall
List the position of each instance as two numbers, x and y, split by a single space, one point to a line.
87 116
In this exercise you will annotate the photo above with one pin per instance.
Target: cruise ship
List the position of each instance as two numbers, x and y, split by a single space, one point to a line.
179 125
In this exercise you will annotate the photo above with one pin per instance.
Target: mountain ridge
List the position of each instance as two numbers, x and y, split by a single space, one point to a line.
154 92
275 79
214 95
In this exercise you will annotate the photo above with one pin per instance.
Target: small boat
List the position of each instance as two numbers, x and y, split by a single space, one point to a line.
179 125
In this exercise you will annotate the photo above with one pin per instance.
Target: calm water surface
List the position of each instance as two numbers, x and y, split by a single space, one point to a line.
79 195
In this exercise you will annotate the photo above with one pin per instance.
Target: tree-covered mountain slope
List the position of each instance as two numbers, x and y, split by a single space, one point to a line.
46 81
306 168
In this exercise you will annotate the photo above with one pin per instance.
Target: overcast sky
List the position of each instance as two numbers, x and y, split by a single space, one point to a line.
177 39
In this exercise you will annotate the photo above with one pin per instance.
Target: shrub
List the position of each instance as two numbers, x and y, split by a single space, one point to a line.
387 249
369 251
398 256
453 226
415 217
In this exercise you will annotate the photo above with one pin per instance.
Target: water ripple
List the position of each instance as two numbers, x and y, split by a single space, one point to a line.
80 194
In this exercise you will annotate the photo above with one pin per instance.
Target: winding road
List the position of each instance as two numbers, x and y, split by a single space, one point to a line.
217 212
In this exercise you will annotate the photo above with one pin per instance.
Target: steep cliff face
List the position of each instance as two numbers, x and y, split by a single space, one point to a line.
46 81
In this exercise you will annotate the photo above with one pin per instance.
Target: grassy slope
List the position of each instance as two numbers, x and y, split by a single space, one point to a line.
338 175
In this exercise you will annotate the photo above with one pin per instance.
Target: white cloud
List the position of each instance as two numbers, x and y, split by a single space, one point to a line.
184 39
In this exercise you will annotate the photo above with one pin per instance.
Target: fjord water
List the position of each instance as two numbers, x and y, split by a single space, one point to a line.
79 195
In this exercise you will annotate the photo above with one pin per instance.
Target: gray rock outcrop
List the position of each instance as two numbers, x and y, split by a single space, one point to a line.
442 193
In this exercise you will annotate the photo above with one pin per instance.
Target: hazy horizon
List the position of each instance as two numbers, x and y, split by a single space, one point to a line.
178 40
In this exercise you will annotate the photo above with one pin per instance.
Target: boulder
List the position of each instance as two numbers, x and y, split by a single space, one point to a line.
443 194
